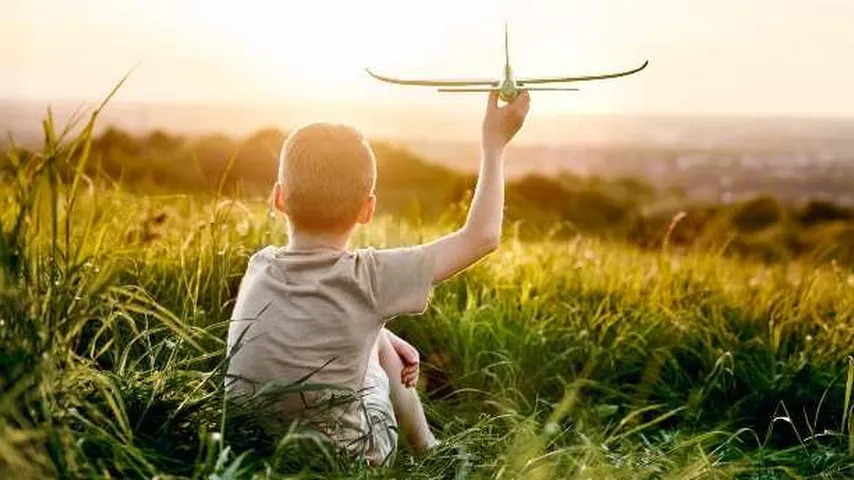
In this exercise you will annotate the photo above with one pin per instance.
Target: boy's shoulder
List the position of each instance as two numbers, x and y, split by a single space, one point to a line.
261 256
402 278
262 252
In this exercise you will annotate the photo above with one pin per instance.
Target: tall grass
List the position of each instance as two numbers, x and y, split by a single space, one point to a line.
552 359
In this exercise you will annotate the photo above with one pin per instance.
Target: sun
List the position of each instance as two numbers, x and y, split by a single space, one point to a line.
319 49
307 48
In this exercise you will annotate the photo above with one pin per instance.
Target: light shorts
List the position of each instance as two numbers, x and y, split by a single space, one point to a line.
382 429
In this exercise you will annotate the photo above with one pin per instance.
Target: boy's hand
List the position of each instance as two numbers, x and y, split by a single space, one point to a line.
500 124
410 358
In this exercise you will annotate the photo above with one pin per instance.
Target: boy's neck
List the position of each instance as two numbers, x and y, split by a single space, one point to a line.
301 240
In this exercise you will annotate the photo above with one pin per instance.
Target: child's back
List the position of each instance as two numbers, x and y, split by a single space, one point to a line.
321 310
314 309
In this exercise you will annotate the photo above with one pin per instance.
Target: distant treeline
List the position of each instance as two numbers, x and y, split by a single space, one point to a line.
627 209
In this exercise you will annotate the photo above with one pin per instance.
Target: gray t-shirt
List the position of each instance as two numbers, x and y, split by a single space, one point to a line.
319 310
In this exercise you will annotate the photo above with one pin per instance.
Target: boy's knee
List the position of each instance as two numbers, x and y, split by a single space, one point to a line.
389 359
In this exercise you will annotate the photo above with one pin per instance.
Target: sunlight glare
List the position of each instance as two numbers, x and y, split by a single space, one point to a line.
319 50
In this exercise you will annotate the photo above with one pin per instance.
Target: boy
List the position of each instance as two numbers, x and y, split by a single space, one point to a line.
314 309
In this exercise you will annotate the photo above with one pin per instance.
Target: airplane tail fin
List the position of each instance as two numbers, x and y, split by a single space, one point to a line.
498 89
469 90
550 89
506 47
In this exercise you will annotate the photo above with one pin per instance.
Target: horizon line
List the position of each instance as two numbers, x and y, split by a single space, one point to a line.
279 103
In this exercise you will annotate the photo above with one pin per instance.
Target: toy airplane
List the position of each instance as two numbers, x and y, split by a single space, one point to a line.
509 87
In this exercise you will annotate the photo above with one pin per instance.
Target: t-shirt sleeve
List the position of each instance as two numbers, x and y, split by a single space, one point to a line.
402 280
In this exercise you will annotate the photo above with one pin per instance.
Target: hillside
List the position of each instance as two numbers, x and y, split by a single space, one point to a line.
558 357
626 209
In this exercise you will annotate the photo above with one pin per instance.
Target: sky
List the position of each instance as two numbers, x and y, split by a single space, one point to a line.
707 57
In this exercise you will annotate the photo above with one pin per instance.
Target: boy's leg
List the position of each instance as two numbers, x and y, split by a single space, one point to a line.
407 406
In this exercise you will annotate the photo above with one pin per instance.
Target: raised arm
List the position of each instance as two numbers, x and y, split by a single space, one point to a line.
482 231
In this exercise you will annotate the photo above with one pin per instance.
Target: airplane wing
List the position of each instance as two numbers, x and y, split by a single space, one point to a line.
495 89
433 83
526 81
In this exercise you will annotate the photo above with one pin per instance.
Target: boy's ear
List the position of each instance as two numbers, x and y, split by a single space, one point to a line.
278 198
367 213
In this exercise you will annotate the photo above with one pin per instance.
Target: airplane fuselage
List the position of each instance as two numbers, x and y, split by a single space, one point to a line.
509 89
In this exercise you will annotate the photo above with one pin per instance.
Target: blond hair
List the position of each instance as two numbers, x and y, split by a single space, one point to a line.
327 172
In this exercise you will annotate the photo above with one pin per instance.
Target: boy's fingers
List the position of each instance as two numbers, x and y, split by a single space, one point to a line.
522 104
523 101
409 372
492 101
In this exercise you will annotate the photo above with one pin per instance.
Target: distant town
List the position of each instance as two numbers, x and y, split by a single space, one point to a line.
717 160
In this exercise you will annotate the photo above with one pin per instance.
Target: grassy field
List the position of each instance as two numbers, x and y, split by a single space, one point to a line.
555 358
